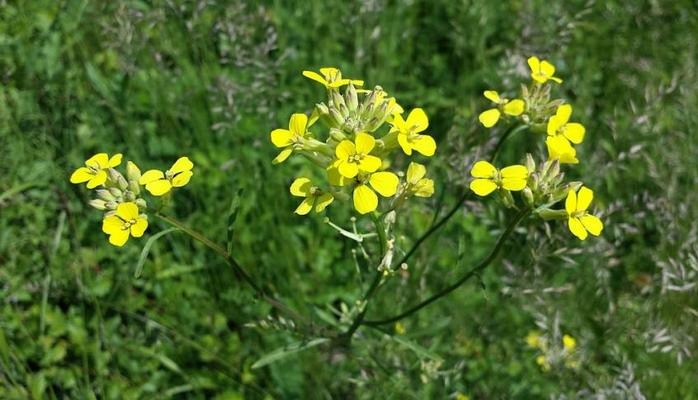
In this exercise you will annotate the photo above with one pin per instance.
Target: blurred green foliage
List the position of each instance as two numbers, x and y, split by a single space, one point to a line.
210 79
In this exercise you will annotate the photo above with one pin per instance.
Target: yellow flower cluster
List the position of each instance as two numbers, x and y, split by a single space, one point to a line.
541 187
554 352
120 197
362 130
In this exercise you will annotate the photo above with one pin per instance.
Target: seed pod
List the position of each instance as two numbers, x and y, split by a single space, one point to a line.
548 214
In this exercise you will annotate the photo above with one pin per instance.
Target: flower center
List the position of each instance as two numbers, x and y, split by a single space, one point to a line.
314 191
578 214
356 158
127 224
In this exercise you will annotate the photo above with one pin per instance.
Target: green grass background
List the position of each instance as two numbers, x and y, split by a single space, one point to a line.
210 79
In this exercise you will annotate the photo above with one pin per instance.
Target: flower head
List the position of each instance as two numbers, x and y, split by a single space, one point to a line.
579 220
353 157
95 170
417 184
331 78
514 107
569 343
314 196
158 183
408 133
542 71
126 222
488 178
365 199
558 125
285 139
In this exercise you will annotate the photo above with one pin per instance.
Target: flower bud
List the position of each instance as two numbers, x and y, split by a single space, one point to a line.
98 204
133 172
528 196
129 196
116 192
530 163
507 198
351 97
337 117
104 194
337 134
111 205
141 203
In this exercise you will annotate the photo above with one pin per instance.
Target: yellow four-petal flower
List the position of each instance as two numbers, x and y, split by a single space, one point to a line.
365 199
542 71
158 183
579 220
408 133
126 222
331 78
314 197
418 184
285 139
355 157
488 178
489 118
95 170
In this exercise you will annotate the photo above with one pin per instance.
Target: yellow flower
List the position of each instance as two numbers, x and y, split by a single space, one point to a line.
314 196
418 184
569 343
124 223
461 396
355 157
408 133
365 199
159 183
560 149
533 339
95 171
331 78
558 125
400 328
543 362
541 71
580 221
285 139
490 117
488 178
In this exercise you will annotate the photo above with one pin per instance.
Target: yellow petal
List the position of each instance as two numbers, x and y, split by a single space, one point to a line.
555 79
399 124
425 145
348 169
100 160
417 120
119 238
515 171
127 211
357 82
415 172
513 184
305 206
483 187
97 179
563 113
298 123
150 176
111 224
315 76
345 149
282 156
514 107
339 83
82 174
182 164
115 160
323 201
584 198
404 143
571 202
139 227
592 224
424 188
330 72
577 228
384 183
492 96
182 178
534 64
554 123
370 163
547 68
159 187
483 169
365 200
559 148
574 132
301 187
364 143
281 137
489 118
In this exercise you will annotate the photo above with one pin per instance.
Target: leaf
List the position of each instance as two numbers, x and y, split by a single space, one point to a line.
232 217
146 250
286 351
419 350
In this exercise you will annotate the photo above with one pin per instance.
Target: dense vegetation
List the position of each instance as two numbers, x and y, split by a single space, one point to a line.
210 79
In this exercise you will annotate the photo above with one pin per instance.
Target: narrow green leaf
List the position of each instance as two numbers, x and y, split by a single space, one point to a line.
146 250
232 217
286 351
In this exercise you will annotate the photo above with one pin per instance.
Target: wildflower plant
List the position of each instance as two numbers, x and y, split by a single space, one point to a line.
369 157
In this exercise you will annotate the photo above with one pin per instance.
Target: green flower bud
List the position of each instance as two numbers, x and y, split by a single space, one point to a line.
528 196
336 117
104 194
141 204
111 205
351 97
133 172
98 204
530 163
116 192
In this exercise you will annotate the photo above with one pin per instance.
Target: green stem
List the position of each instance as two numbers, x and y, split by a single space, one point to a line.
230 260
472 272
509 132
